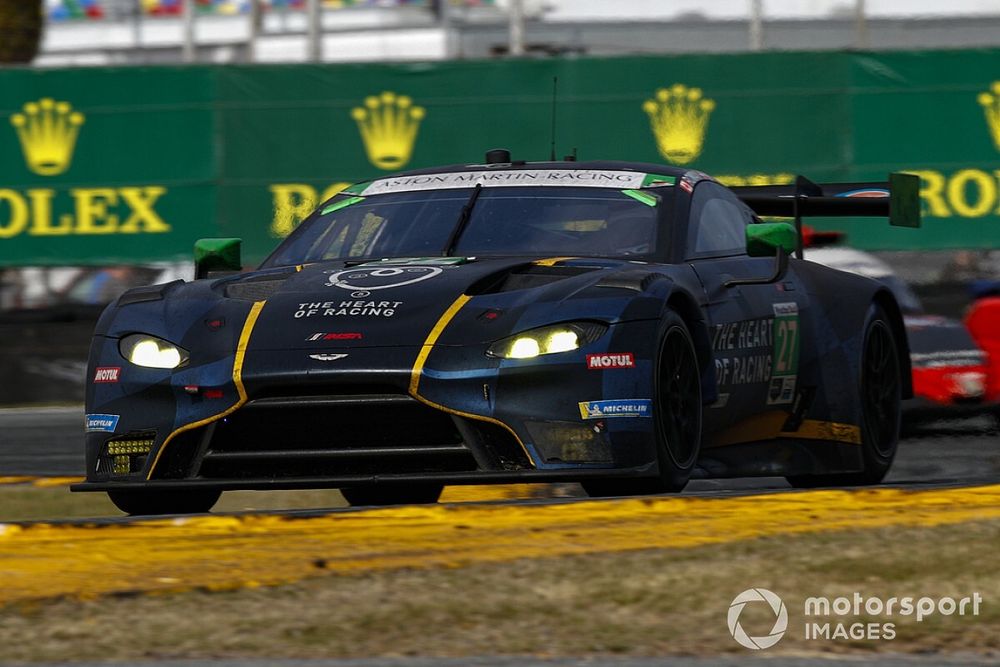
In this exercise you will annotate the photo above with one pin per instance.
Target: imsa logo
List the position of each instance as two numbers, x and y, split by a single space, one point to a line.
388 124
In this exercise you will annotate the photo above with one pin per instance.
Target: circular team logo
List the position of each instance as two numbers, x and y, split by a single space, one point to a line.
780 618
369 279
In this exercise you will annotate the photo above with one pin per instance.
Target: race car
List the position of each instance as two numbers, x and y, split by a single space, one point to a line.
623 325
952 376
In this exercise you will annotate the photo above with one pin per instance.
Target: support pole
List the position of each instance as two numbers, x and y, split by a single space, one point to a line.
756 32
314 29
860 25
187 17
516 47
255 24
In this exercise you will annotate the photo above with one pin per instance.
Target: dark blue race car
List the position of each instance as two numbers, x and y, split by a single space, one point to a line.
628 326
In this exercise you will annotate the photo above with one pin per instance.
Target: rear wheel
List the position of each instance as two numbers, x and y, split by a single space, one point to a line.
881 391
160 501
408 494
677 413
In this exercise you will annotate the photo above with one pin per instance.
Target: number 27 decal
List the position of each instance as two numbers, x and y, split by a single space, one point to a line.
785 365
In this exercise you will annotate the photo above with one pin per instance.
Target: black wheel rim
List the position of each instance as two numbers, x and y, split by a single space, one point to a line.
679 398
880 388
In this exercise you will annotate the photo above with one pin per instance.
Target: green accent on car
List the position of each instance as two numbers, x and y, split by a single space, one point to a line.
656 180
904 200
644 197
423 261
764 239
356 189
343 203
222 254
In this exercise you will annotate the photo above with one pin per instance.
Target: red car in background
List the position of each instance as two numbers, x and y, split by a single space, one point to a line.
983 322
952 375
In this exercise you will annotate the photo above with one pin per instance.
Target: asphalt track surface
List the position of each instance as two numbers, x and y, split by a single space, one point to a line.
962 451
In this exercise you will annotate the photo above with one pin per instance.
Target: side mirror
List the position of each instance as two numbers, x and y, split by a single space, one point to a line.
765 238
216 255
769 239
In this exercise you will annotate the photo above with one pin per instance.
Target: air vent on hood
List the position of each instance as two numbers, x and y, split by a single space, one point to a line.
147 293
255 289
525 277
635 279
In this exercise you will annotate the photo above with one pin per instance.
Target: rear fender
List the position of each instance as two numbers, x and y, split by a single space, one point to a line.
884 298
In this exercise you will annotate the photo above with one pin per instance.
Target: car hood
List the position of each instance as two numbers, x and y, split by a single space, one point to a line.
401 302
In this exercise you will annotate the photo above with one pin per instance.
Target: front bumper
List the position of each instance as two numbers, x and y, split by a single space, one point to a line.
470 420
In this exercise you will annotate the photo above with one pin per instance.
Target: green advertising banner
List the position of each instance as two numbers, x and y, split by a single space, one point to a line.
132 165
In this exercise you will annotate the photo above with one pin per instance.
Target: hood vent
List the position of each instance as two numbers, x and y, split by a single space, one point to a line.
255 289
526 276
638 280
147 293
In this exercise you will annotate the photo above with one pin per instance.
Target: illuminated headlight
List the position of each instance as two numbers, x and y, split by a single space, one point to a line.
151 352
547 340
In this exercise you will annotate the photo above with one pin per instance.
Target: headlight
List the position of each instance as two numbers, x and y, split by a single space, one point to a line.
547 340
151 352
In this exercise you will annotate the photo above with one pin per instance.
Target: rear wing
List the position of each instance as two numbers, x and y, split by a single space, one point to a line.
898 199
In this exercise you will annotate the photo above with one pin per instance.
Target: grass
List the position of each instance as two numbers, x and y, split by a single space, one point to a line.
653 602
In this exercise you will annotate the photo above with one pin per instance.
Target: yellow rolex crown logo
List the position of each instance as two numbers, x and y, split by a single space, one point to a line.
47 130
678 117
388 124
990 101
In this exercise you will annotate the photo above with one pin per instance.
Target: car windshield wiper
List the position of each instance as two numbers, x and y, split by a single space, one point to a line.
463 220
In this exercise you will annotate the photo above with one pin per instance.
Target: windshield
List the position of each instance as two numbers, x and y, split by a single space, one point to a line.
543 221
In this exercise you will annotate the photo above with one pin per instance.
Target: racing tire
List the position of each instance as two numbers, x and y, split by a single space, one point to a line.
408 494
881 386
677 413
160 501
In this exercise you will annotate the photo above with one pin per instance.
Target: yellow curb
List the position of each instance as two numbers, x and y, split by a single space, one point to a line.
476 494
42 482
45 482
39 561
17 479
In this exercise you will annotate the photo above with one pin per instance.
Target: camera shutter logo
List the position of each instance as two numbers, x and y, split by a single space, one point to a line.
780 621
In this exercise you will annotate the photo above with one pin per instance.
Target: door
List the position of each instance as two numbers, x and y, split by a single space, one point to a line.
755 330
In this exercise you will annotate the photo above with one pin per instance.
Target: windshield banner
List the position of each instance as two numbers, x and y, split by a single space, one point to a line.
593 178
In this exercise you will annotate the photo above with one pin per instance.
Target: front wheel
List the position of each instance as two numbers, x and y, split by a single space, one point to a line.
880 392
404 494
677 412
161 501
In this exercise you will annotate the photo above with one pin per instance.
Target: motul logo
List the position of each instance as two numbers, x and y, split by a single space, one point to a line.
599 362
107 374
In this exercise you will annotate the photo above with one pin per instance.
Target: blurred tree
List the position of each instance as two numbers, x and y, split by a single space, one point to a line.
20 30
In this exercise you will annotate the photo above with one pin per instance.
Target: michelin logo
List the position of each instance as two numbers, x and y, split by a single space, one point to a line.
630 407
106 423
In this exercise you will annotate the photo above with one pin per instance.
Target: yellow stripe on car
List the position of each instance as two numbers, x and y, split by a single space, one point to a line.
241 350
418 367
769 425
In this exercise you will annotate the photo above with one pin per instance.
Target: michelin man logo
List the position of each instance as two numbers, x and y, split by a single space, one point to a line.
780 621
369 279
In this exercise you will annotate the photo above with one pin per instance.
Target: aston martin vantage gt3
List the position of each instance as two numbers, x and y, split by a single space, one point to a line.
623 325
